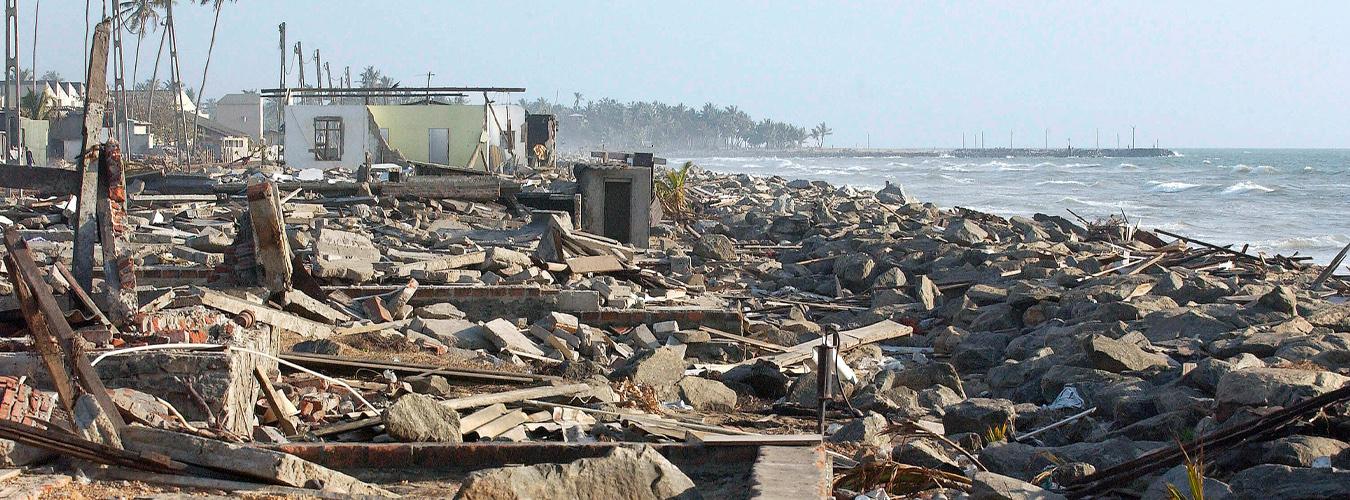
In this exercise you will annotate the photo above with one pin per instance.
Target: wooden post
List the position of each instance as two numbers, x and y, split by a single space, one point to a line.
119 273
271 249
95 100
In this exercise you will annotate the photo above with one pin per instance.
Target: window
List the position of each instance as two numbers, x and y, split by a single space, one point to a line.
328 138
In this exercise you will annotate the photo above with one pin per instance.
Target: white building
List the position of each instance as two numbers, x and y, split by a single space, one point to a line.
243 112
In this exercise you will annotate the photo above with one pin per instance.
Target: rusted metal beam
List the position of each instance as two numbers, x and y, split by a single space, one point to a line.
119 273
44 180
48 320
95 101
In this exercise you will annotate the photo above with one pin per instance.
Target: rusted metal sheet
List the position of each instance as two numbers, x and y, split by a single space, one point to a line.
95 100
119 272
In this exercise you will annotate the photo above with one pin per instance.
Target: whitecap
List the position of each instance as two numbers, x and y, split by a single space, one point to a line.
1265 169
1128 165
1075 165
1246 187
1171 187
958 180
1065 183
1325 241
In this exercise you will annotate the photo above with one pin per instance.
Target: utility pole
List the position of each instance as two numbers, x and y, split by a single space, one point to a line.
1010 140
963 140
120 129
347 70
282 74
300 62
1117 140
329 72
318 70
1131 136
429 75
1047 138
1098 134
184 156
11 77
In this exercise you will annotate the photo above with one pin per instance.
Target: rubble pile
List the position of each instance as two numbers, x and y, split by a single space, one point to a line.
975 354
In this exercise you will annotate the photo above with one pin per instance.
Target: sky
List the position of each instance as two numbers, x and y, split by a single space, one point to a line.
885 74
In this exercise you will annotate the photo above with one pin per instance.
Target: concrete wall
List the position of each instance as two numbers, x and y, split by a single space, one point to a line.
243 112
408 128
591 185
356 136
35 134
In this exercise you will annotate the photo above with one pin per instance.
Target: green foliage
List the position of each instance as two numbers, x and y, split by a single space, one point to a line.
1195 478
997 433
655 125
671 190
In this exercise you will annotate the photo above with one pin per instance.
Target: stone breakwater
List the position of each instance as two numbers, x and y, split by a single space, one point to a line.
1021 323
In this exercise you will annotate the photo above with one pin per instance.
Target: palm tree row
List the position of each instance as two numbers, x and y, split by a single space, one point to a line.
657 125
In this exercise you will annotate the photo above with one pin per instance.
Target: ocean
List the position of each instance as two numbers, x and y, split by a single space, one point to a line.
1284 201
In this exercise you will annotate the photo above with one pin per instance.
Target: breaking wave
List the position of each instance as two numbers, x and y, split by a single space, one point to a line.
1171 187
1246 187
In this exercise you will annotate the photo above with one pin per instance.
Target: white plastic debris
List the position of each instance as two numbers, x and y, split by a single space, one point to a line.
1067 398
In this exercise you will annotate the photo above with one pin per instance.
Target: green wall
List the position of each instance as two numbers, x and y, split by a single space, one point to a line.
408 127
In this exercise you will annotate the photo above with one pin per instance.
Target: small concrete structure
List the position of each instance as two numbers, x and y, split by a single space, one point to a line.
616 201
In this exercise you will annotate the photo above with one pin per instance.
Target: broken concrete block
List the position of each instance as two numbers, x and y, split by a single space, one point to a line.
659 368
505 335
578 300
334 244
443 310
637 474
418 418
345 269
505 259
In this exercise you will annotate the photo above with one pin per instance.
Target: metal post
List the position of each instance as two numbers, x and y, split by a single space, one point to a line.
825 359
11 76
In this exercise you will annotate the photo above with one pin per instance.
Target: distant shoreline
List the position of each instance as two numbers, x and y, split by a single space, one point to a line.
930 153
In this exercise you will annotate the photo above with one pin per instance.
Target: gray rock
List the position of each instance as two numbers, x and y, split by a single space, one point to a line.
1274 386
978 415
434 385
1336 317
925 376
854 269
628 473
660 368
1116 356
704 394
890 278
991 486
893 194
965 232
926 292
442 310
1281 299
866 430
924 453
1300 451
1177 478
763 377
418 418
318 346
715 247
1283 481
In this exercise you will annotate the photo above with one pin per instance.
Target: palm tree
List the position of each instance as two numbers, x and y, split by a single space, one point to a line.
820 132
576 100
138 16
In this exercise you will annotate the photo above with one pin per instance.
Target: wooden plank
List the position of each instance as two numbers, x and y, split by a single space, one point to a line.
253 462
475 401
271 248
743 339
48 319
95 100
501 424
473 421
594 264
279 319
42 180
281 410
757 440
876 332
467 374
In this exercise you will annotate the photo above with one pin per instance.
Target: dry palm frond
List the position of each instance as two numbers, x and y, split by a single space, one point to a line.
898 479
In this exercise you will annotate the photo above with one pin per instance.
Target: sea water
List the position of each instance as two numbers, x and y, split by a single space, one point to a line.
1285 201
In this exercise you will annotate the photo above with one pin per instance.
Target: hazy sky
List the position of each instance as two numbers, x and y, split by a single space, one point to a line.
1188 74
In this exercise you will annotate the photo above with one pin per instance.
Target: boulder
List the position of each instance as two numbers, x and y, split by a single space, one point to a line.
965 232
628 473
924 453
418 418
853 270
926 292
867 430
1281 299
925 376
1116 356
715 247
1336 317
1300 451
893 194
991 486
1283 481
978 415
704 394
660 368
763 377
1177 478
1274 386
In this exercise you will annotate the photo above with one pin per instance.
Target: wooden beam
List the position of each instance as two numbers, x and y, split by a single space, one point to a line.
264 314
271 249
95 100
282 411
44 180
